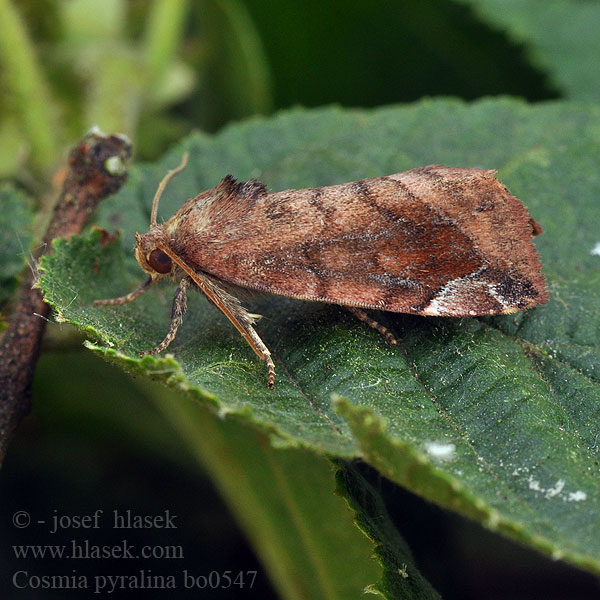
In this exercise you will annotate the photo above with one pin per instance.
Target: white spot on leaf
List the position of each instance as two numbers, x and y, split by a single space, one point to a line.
557 489
440 450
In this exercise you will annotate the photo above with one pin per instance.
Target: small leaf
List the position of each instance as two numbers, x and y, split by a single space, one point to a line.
237 66
495 418
563 38
401 578
284 499
26 86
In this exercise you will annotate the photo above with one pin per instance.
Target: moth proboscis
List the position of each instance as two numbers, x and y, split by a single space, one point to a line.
435 241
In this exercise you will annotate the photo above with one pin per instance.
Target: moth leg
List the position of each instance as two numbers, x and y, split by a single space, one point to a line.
242 320
239 317
227 303
177 312
266 354
127 297
365 318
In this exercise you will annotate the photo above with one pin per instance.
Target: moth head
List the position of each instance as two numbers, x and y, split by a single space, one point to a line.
151 258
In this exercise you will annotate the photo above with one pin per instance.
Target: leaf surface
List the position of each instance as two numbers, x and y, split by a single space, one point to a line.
495 418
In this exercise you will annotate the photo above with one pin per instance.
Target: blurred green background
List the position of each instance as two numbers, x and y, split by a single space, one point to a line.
156 71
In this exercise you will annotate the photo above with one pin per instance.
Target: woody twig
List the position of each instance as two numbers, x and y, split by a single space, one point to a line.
96 169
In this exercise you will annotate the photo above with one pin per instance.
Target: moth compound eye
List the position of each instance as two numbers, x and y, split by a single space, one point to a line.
159 261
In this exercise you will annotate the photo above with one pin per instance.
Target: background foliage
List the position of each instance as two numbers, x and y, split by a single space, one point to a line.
524 389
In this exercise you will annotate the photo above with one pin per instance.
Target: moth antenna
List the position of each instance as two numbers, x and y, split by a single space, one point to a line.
163 184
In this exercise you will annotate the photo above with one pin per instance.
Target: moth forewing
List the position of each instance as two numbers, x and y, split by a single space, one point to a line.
435 240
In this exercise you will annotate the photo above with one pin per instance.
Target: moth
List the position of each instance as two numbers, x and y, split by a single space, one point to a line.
436 240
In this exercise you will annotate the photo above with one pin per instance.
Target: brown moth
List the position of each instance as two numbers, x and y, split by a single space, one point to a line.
435 240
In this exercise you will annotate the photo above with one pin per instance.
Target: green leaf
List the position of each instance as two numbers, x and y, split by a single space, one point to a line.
15 238
495 418
82 22
14 147
284 500
434 48
167 78
401 578
563 38
236 74
27 88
